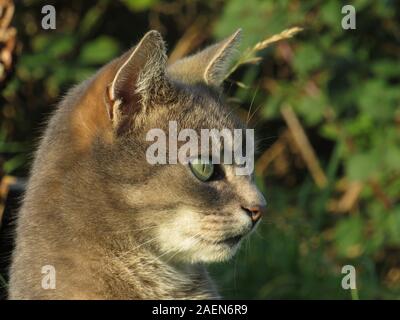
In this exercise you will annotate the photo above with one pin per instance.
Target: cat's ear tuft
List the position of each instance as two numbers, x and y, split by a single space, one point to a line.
217 68
141 70
208 66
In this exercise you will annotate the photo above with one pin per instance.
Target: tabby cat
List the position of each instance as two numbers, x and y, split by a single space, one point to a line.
108 224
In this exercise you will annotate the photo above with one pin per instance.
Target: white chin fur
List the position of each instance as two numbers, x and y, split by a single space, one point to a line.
208 253
218 254
185 244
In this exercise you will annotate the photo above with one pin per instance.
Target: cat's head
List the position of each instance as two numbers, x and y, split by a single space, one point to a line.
192 212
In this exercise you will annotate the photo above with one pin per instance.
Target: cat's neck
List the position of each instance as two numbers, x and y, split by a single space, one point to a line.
147 275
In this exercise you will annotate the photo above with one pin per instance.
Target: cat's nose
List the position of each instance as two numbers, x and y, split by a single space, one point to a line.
254 212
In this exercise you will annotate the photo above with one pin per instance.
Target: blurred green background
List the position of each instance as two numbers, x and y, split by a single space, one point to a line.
342 87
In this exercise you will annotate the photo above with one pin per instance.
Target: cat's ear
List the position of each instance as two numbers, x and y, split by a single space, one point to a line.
140 74
209 65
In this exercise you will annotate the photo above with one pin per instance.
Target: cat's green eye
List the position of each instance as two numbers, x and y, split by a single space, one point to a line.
203 170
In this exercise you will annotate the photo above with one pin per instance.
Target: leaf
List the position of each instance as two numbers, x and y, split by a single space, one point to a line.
311 108
386 68
331 13
378 99
307 59
99 51
139 5
393 226
361 166
14 163
349 238
92 17
61 45
392 157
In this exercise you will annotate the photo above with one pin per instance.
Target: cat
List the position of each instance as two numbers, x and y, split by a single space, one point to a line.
105 222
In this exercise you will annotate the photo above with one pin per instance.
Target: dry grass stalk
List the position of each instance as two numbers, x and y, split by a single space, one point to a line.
349 199
190 40
304 146
285 34
249 56
5 183
7 38
271 154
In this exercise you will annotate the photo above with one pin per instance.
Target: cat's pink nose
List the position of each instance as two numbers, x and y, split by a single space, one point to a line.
255 212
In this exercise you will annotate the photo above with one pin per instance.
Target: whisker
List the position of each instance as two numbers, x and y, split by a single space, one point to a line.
260 119
251 104
235 273
140 229
181 250
255 111
171 250
230 112
267 138
139 246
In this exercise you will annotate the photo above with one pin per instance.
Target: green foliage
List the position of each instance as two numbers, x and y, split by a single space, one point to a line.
342 84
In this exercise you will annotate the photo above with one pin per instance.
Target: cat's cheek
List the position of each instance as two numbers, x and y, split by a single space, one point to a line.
181 233
243 222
